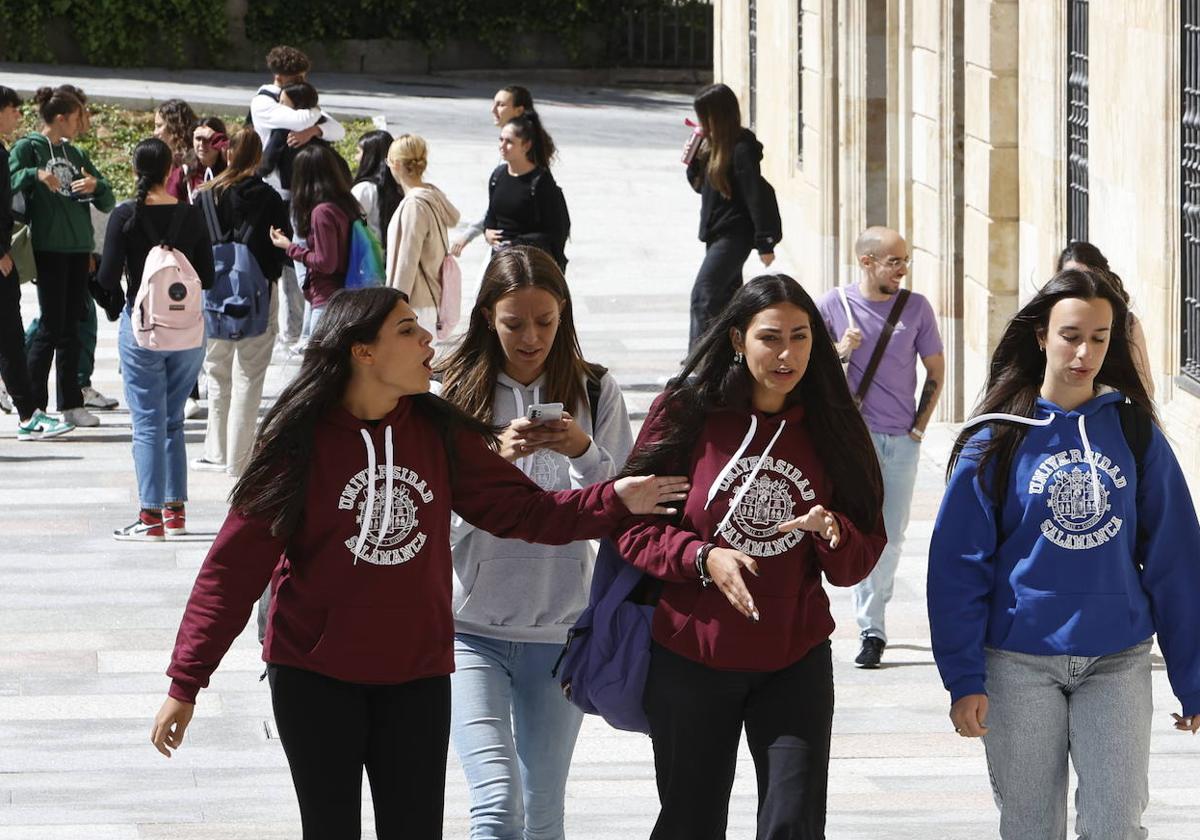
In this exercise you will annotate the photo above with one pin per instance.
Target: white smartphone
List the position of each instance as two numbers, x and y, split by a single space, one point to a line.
544 412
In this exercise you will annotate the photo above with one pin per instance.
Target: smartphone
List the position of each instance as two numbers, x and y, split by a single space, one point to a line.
544 412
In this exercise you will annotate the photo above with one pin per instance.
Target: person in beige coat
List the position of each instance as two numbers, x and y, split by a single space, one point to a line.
417 238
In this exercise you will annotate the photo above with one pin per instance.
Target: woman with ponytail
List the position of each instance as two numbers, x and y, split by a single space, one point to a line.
59 182
157 382
235 370
525 204
345 508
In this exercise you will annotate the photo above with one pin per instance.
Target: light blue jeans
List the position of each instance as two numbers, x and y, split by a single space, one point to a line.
898 459
157 384
1094 711
514 733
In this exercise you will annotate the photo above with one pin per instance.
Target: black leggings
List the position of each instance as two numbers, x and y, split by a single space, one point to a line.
719 278
14 370
62 292
332 729
696 715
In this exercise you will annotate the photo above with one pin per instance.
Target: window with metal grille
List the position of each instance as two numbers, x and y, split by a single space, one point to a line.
1077 120
752 105
800 81
1189 179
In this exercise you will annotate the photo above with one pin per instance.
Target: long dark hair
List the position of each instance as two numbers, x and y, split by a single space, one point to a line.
521 97
721 120
275 482
469 372
1018 368
1088 255
373 169
152 162
180 121
528 127
712 378
242 158
318 177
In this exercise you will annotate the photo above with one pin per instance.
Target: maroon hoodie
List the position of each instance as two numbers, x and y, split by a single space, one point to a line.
774 453
362 588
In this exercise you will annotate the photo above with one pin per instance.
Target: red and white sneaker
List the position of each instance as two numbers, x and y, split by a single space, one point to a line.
174 521
147 528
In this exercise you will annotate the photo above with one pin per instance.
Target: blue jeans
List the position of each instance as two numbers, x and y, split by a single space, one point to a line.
514 733
1094 711
898 459
157 384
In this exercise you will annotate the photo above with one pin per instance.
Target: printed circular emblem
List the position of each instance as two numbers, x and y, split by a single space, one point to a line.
177 291
397 538
401 522
544 471
1081 510
771 498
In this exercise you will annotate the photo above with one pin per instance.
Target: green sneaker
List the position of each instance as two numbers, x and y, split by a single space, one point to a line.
41 425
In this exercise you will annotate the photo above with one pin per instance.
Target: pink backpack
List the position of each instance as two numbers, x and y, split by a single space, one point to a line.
449 303
168 310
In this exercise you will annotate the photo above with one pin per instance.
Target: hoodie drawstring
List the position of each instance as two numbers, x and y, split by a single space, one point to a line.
712 488
523 464
1088 454
369 507
737 499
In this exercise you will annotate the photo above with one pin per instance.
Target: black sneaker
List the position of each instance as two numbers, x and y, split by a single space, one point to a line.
871 653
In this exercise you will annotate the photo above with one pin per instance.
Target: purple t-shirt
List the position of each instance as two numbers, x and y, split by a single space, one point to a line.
891 403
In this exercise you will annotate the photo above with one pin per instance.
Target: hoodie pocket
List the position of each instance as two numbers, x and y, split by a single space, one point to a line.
1048 622
369 644
526 592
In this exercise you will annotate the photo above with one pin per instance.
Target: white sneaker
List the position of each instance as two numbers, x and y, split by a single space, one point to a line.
191 409
94 399
81 417
6 403
204 465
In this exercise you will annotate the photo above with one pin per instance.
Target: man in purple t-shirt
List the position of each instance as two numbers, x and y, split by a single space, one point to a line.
856 316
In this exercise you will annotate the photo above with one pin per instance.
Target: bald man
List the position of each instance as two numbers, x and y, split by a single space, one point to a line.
857 315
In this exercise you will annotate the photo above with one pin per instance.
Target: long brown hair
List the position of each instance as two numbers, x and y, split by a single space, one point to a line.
721 119
318 178
713 378
1018 368
241 161
469 372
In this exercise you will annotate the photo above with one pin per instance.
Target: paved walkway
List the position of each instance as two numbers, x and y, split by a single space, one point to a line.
87 624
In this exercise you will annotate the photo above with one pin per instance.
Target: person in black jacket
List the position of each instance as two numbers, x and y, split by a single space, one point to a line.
738 211
17 390
525 204
236 370
157 382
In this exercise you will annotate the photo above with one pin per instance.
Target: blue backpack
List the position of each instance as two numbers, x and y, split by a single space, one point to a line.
364 263
238 304
605 661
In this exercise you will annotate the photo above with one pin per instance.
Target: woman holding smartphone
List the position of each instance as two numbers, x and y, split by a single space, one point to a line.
516 367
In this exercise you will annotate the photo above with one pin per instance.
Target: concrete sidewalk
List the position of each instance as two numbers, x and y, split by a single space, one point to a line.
87 624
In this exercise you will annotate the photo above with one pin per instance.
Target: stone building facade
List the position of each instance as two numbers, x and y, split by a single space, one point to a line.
990 133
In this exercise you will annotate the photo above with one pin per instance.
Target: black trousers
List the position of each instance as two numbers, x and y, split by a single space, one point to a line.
62 291
696 716
14 369
331 730
719 279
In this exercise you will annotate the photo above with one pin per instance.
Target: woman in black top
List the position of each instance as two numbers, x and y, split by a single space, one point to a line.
738 211
157 382
525 204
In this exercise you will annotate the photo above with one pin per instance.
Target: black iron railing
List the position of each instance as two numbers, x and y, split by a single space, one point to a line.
1077 120
1189 179
663 33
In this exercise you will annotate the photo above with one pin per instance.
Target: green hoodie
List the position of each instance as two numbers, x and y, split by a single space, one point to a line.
57 222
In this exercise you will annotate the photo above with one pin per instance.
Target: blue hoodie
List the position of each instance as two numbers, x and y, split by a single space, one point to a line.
1055 569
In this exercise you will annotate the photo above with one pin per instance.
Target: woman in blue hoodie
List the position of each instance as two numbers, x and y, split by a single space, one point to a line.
1058 553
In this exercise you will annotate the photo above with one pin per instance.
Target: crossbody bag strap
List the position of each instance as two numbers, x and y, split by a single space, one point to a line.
884 337
208 206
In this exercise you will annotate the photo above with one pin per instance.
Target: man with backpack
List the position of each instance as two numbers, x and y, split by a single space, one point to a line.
882 331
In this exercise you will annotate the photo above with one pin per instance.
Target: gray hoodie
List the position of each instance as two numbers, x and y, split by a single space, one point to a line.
518 591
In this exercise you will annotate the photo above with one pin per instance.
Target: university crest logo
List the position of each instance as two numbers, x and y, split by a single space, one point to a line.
770 499
398 539
1080 512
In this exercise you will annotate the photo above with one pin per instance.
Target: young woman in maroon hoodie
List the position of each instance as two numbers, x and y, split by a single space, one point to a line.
785 485
345 509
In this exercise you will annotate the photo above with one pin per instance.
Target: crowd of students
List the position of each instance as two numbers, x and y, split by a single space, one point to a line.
419 518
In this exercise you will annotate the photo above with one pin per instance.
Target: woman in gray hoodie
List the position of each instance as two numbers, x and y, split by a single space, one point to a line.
513 601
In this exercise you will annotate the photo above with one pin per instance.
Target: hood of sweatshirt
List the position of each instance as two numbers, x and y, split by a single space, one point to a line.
750 471
753 145
1061 550
518 591
446 212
